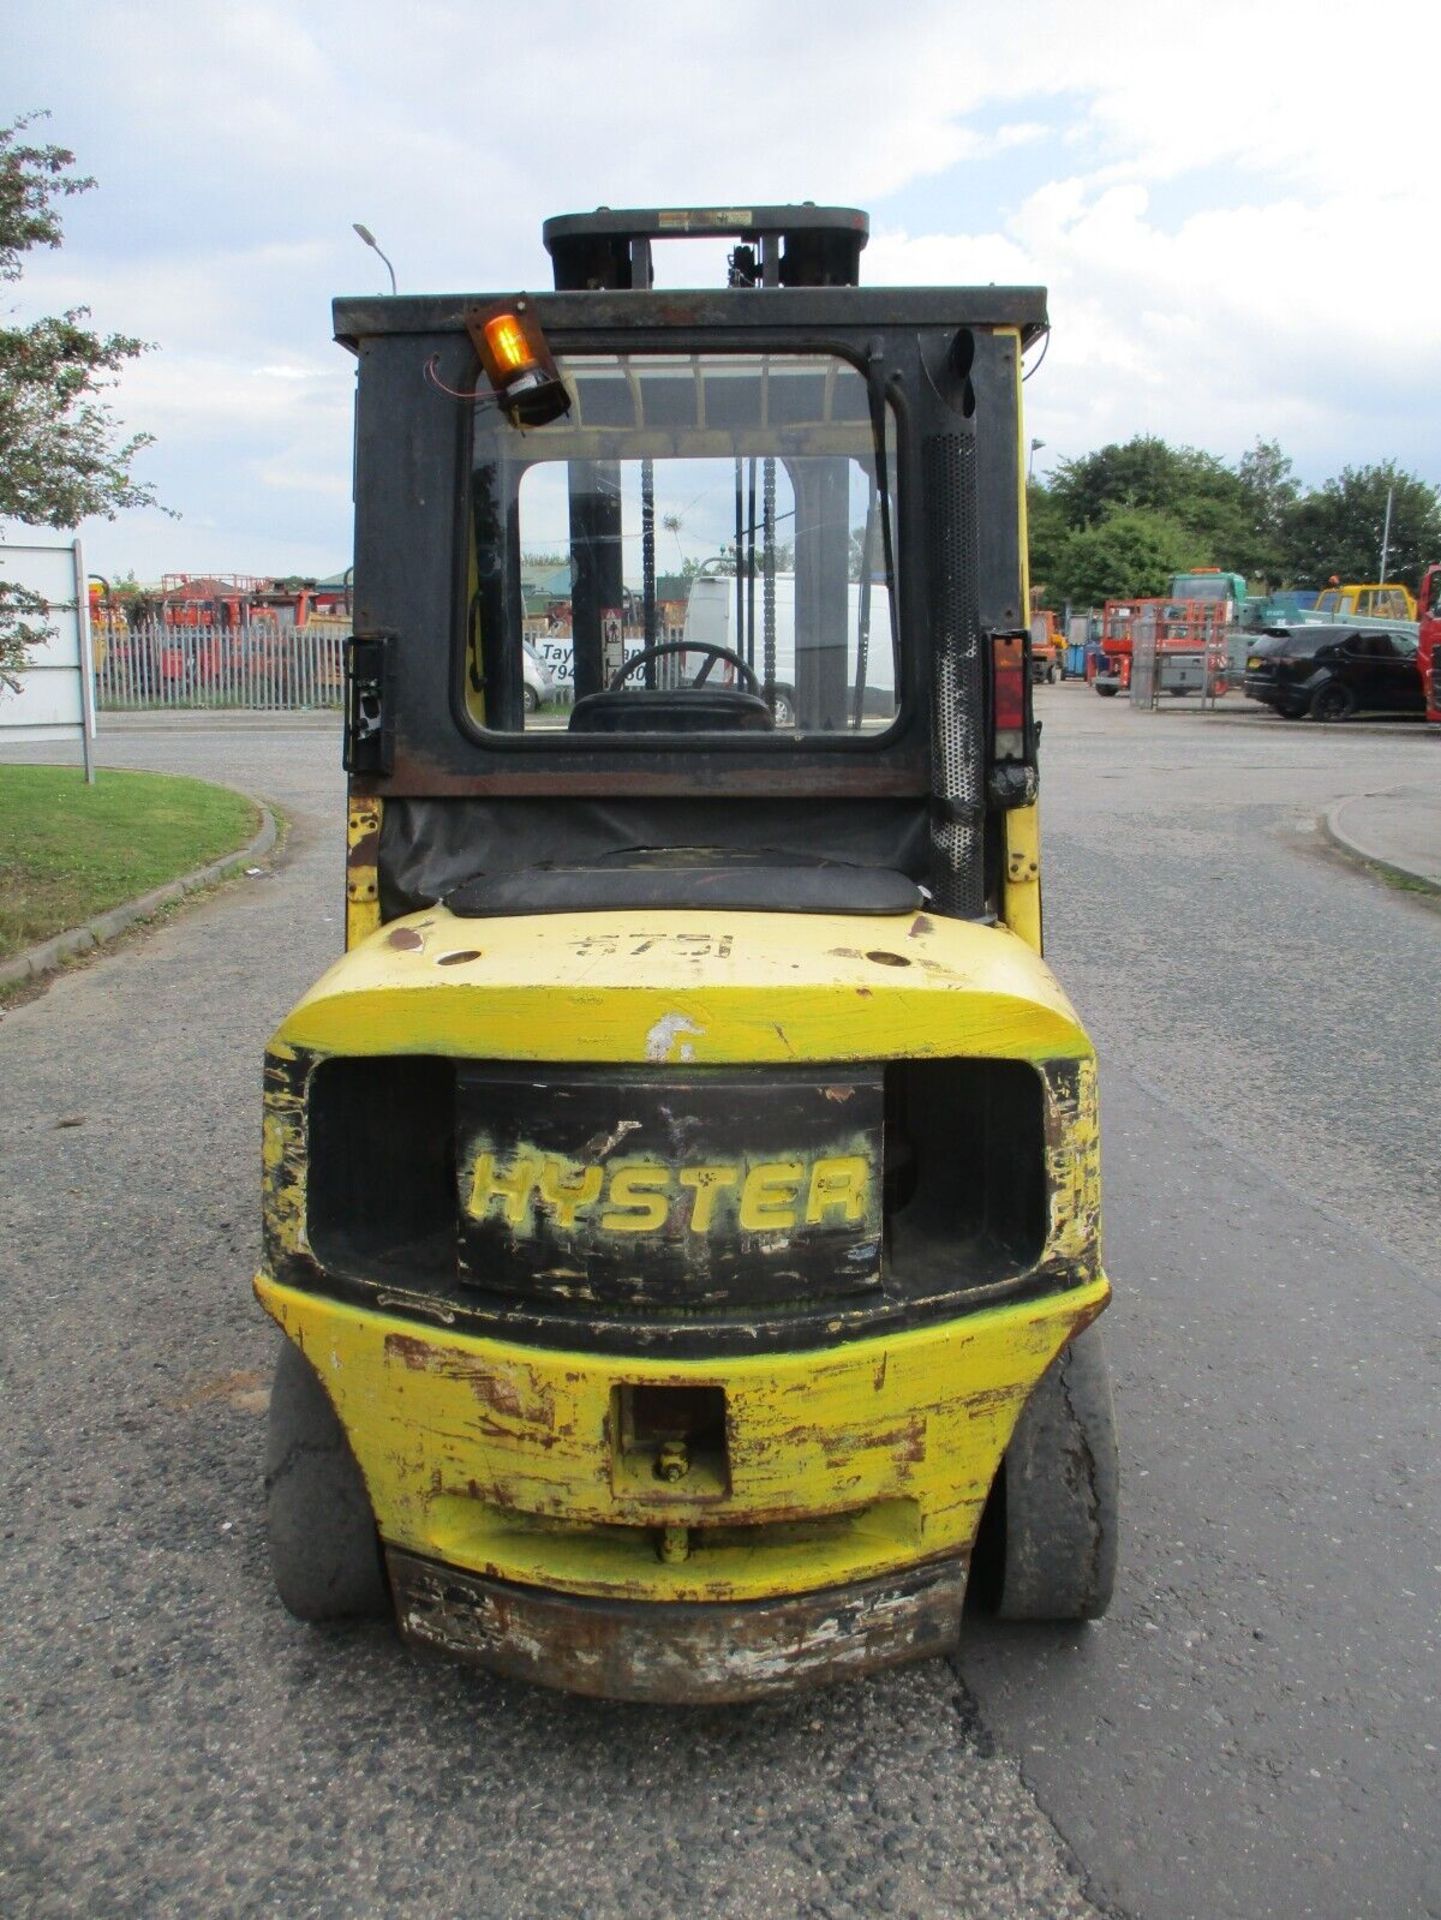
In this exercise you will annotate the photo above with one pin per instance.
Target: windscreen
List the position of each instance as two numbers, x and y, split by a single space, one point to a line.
1202 586
702 544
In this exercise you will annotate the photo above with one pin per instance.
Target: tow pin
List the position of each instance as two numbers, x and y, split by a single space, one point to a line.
672 1462
674 1545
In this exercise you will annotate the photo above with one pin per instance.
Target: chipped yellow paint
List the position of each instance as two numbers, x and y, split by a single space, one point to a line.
282 1151
702 987
1073 1169
362 876
1022 904
839 1464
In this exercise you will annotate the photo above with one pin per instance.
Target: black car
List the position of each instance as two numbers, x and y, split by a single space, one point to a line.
1335 671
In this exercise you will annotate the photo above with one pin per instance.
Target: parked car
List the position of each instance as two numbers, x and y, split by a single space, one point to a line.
539 680
1329 673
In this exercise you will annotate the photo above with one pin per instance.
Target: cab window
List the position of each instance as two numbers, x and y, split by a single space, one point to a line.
702 543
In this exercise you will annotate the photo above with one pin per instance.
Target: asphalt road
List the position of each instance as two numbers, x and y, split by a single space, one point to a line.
1252 1732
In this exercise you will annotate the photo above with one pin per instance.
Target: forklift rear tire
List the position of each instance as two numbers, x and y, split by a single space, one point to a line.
1058 1489
324 1549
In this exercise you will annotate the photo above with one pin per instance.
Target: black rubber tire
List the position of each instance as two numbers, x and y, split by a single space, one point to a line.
1106 693
324 1549
1059 1493
1332 702
530 700
784 710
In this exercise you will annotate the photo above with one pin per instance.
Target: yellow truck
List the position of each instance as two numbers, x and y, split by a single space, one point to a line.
1365 602
681 1199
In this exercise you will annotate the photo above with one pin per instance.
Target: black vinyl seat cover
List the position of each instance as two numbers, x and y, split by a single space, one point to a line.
671 710
649 879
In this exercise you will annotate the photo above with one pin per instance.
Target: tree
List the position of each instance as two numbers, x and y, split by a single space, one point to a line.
1128 553
1269 493
1196 490
1047 530
1337 529
61 455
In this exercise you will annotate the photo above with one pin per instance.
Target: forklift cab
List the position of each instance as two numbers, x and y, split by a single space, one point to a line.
682 1197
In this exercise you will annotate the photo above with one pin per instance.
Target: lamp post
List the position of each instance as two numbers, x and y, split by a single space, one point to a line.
369 238
1036 446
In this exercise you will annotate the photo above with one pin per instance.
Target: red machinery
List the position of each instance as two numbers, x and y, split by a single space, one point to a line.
1428 654
246 600
205 599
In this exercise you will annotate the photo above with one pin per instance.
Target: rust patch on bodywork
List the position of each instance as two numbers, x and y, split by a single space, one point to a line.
1073 1162
362 867
510 1393
283 1156
680 1654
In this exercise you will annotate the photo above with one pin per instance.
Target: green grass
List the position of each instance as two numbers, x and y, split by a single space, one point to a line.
68 851
1408 882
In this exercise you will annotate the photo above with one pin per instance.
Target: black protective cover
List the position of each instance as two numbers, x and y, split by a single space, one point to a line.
430 848
636 883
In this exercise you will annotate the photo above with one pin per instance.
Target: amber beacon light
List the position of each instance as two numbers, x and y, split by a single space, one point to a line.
518 363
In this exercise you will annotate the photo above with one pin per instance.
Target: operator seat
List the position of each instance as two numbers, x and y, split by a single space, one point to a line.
671 710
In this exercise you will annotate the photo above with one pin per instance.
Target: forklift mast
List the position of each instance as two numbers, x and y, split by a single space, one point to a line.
804 246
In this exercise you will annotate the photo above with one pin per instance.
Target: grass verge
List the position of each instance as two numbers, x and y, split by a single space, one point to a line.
69 851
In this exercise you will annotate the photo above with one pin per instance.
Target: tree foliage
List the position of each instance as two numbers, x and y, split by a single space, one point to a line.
1338 529
1119 521
1130 551
1269 492
1195 489
62 457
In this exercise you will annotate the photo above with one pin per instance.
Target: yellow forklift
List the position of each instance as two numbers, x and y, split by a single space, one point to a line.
682 1198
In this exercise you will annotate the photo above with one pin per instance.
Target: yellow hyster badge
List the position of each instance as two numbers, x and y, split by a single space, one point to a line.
739 1196
700 1187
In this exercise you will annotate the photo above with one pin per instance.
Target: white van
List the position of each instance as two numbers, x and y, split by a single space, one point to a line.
710 621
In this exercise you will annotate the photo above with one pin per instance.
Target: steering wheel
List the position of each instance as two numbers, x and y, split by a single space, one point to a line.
668 647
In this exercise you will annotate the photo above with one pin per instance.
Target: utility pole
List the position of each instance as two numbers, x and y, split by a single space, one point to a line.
1386 533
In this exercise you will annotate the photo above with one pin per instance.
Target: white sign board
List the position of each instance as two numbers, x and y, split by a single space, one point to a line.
56 700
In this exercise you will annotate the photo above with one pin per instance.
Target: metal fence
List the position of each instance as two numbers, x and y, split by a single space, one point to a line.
264 667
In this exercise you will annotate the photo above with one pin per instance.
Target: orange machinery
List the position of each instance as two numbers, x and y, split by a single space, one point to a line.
1193 629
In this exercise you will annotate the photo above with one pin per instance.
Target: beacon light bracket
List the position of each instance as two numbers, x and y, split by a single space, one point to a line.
517 361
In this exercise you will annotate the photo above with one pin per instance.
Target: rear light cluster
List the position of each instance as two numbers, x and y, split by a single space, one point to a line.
1009 682
1011 778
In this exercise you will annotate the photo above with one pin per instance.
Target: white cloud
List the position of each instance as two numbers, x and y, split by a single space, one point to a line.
1230 205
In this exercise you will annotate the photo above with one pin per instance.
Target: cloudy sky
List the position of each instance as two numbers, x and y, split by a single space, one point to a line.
1233 206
